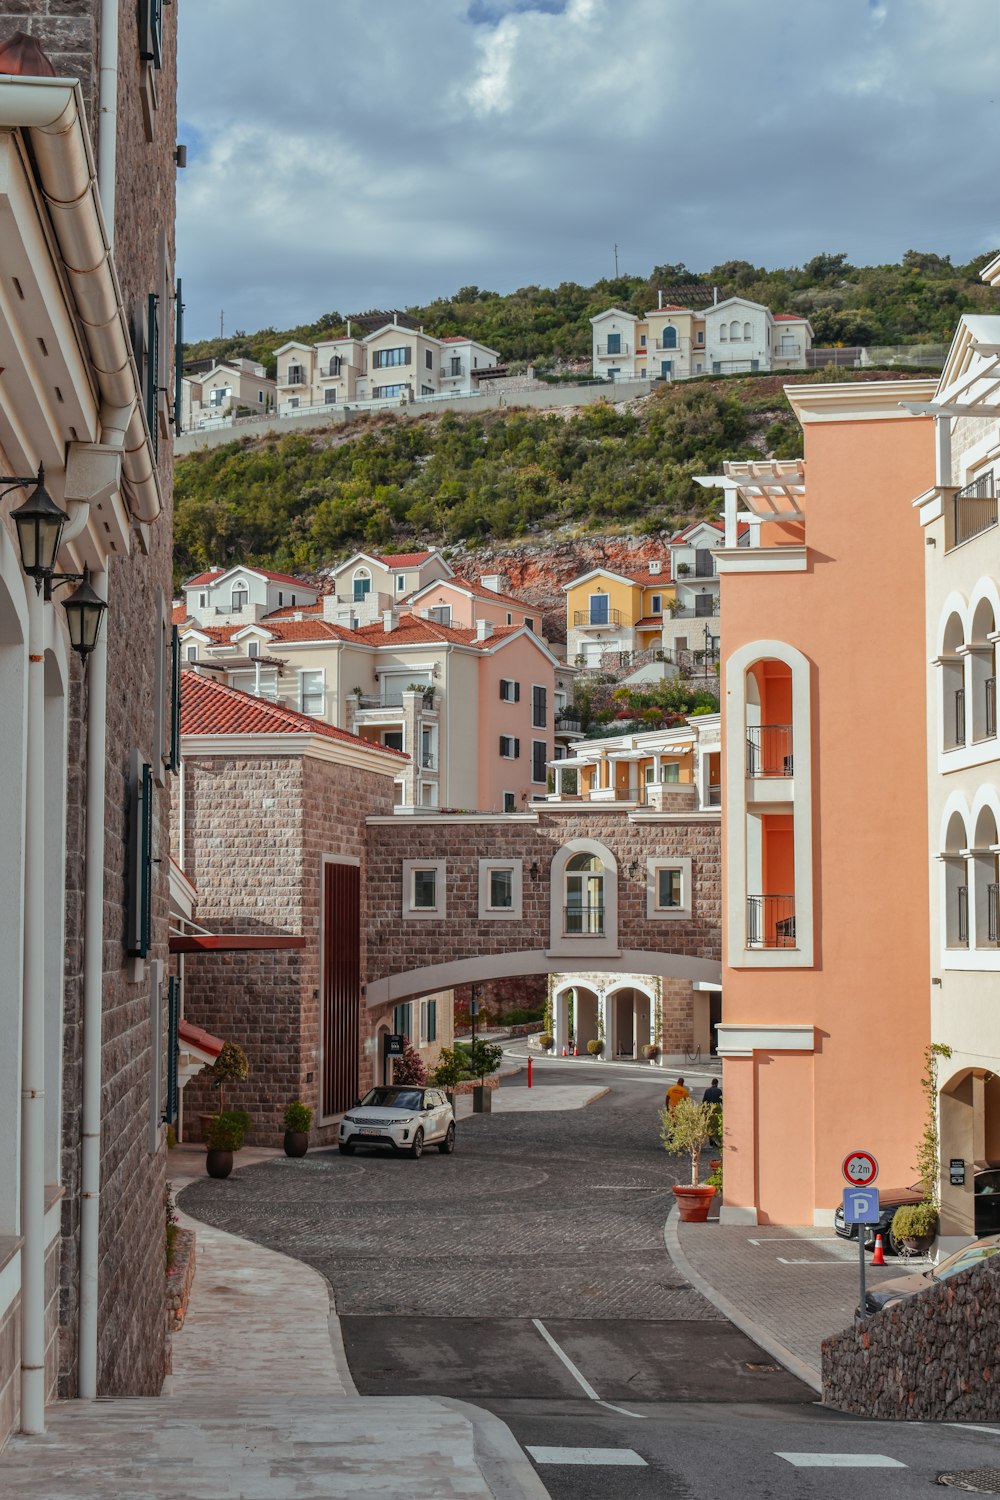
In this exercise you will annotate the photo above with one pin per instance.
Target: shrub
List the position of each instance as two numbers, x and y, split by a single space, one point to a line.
451 1068
523 1016
298 1117
651 1050
914 1221
409 1068
226 1131
595 1046
485 1057
545 1040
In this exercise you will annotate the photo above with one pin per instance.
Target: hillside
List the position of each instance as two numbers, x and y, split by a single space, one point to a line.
916 301
299 501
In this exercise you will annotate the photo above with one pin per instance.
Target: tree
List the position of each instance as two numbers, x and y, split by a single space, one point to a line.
231 1066
688 1128
409 1068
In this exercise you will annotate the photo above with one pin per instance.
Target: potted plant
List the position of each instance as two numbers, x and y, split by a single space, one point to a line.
224 1135
545 1040
231 1066
914 1225
686 1130
449 1071
484 1057
298 1118
651 1052
596 1046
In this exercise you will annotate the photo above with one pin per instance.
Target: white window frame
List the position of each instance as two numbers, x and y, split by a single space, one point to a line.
240 587
514 695
191 652
400 583
515 747
655 912
512 798
253 648
412 912
512 913
305 672
434 610
562 943
656 604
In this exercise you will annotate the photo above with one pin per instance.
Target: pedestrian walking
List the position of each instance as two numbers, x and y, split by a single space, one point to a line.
676 1093
713 1094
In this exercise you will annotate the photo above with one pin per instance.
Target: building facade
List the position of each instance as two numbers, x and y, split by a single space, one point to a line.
87 349
731 337
231 387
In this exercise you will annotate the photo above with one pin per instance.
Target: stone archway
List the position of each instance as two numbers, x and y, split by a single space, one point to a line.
631 1020
970 1133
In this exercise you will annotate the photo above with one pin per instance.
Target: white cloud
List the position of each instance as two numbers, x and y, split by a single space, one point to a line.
355 155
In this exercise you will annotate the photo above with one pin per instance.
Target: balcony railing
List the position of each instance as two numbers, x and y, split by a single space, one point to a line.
769 750
770 921
974 509
991 708
704 564
959 716
962 915
583 921
993 914
452 372
427 761
567 724
610 617
674 348
605 349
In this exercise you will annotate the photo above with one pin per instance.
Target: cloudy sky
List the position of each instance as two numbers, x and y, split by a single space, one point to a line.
345 154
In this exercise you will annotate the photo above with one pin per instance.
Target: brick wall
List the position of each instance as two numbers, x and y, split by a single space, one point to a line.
932 1358
68 32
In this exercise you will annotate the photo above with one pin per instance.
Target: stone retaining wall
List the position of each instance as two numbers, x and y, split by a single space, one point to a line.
180 1276
934 1357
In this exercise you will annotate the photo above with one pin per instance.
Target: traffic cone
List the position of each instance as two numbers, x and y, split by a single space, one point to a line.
878 1259
564 1052
576 1050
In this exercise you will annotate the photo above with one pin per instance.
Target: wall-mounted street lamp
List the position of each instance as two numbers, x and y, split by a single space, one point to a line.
633 869
533 872
39 522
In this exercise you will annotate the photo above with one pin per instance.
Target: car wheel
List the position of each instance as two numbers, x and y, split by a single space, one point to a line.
417 1149
345 1148
447 1146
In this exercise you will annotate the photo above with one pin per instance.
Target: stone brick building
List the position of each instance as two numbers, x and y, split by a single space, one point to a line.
271 832
86 346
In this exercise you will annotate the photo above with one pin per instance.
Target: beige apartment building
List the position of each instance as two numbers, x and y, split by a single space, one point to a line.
398 361
671 342
230 387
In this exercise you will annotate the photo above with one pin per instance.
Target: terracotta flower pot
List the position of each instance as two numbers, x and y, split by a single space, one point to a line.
694 1202
218 1163
296 1142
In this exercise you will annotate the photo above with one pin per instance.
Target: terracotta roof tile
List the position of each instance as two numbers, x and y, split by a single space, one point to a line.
194 1036
179 614
203 578
287 611
402 559
210 707
482 592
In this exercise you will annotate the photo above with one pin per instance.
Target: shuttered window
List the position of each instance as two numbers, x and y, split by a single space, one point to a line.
152 366
173 1046
139 915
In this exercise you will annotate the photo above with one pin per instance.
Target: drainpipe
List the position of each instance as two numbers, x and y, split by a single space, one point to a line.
93 985
33 1043
107 115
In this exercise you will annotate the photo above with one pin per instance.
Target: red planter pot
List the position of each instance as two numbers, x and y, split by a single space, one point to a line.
694 1202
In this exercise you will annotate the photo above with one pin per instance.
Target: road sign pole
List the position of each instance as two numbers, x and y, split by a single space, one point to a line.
861 1266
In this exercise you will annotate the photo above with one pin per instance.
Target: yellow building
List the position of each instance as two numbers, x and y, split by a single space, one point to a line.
611 614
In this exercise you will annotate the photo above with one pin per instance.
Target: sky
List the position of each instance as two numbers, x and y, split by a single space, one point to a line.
350 154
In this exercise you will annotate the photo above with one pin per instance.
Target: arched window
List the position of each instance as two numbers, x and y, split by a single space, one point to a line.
956 884
953 683
669 338
982 653
584 906
241 596
723 332
362 584
746 331
734 329
986 880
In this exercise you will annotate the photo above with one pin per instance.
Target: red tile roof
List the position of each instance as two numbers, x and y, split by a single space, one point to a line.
195 1037
305 630
789 318
648 621
402 559
482 592
210 707
179 614
203 578
455 338
200 578
287 611
651 580
673 307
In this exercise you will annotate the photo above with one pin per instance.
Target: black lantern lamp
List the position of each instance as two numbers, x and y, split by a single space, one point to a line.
85 609
39 523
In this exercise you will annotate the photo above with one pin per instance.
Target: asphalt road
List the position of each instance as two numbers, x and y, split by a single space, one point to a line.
527 1273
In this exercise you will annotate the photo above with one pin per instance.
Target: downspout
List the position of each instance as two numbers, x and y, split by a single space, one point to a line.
93 985
33 1041
112 421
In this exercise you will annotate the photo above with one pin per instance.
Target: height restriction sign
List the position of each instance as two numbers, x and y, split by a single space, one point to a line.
860 1168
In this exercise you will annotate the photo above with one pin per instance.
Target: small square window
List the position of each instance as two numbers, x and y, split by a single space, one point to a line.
425 889
192 653
423 886
400 582
509 802
501 889
668 891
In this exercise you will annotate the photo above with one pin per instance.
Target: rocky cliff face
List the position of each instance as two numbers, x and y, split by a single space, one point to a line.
536 571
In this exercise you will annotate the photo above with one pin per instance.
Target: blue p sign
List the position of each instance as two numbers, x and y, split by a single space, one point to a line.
861 1206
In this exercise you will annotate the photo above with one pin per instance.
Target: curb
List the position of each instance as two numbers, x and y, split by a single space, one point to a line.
504 1465
745 1324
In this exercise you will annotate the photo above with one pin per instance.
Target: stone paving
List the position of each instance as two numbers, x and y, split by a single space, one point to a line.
538 1213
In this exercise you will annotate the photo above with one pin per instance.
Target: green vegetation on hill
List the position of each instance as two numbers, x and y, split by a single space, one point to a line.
916 301
298 501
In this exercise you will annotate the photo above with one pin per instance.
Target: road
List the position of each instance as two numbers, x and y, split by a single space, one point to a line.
527 1273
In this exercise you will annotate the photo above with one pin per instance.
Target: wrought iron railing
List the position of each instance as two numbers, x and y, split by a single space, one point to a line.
606 349
583 921
962 915
959 716
974 509
769 750
993 914
770 921
609 617
991 708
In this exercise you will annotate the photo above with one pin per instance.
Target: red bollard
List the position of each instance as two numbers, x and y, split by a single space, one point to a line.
529 1072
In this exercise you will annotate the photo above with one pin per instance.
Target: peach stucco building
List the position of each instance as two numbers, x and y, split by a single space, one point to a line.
826 1009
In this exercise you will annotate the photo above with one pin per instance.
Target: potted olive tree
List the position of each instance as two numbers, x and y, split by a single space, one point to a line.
914 1225
686 1130
224 1135
231 1066
298 1118
484 1057
450 1070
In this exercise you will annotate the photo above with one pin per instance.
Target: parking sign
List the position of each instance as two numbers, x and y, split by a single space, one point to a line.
861 1206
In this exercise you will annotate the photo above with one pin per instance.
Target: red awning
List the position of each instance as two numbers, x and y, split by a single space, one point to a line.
202 1041
222 942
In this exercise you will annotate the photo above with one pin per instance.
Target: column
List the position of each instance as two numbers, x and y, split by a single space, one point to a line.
559 1028
605 1014
635 1024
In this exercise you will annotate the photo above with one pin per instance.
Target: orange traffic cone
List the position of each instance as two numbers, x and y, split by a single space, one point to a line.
564 1052
878 1259
576 1050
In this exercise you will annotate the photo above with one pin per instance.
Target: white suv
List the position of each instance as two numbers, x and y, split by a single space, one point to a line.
401 1116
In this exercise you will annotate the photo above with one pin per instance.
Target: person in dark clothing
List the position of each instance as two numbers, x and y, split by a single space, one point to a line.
713 1094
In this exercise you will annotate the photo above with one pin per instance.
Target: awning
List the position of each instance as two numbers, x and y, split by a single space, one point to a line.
201 1043
232 942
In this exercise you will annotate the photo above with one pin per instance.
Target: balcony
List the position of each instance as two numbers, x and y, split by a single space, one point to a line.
707 611
959 717
583 921
610 619
770 921
456 371
769 750
567 724
674 348
605 351
974 509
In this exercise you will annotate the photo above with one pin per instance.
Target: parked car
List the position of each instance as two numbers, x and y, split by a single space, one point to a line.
889 1200
900 1287
986 1195
401 1117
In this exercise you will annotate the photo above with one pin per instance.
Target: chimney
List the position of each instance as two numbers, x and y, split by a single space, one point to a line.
390 619
497 583
348 328
715 296
659 297
484 629
395 320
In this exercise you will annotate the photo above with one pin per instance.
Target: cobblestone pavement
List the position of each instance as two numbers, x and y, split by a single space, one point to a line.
536 1214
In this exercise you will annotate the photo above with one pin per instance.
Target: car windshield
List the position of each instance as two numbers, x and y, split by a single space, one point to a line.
394 1098
963 1260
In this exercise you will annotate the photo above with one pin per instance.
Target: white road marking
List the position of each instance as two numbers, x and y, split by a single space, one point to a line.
975 1427
605 1456
796 1239
839 1263
841 1460
578 1376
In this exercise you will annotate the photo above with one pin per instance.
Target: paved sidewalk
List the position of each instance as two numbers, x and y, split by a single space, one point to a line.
787 1288
534 1100
261 1406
